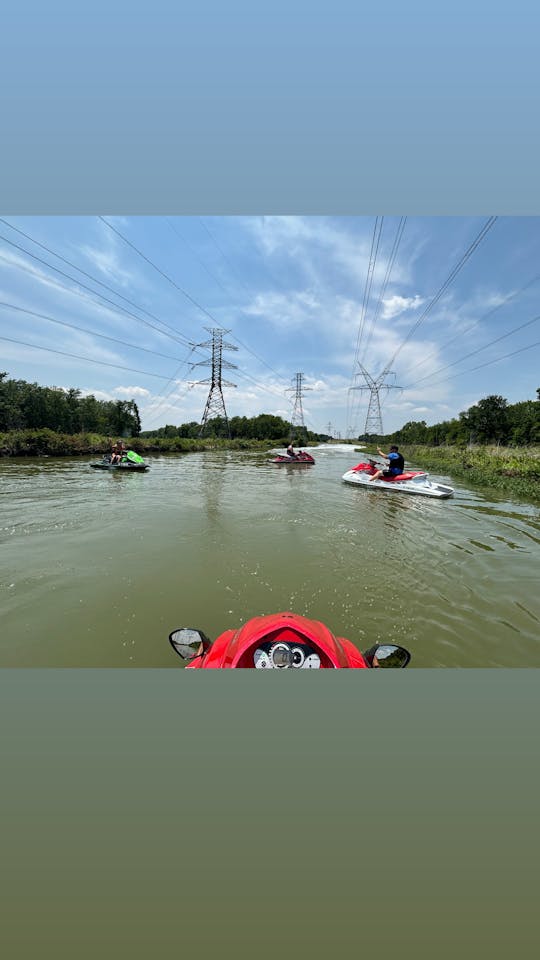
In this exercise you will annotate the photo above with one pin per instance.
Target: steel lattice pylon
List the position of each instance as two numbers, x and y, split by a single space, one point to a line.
297 417
215 404
374 424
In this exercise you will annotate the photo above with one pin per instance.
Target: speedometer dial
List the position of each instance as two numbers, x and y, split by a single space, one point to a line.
261 659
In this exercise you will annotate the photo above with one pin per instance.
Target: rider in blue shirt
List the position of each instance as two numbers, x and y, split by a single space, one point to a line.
396 464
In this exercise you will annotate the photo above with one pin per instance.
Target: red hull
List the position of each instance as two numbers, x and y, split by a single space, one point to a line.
369 468
236 648
306 458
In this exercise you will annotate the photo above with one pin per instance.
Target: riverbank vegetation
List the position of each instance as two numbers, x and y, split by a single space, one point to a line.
511 470
491 421
264 427
493 443
40 443
28 406
51 421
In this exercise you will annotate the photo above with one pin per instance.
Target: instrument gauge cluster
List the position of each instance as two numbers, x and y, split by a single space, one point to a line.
281 655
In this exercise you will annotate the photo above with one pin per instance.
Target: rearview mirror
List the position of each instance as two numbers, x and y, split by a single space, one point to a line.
189 643
387 655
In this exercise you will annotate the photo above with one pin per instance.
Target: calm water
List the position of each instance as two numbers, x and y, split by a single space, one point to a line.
97 567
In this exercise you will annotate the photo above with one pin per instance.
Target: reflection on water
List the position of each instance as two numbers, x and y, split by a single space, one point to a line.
96 567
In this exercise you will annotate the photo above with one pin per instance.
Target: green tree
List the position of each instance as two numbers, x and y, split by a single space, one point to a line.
488 420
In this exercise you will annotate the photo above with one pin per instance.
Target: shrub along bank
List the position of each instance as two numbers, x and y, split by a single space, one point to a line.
40 443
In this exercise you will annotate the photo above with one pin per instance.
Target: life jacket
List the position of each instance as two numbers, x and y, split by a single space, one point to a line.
397 464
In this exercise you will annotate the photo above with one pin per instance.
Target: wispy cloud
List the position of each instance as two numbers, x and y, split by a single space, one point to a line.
108 257
131 392
394 305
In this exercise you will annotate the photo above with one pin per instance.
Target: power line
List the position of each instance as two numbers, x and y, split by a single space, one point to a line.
231 267
490 313
391 261
197 258
227 261
76 356
367 288
93 333
375 240
180 288
79 270
473 353
159 270
116 306
165 393
488 363
451 277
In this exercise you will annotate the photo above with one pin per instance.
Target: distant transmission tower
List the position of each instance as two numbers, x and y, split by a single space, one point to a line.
215 404
297 418
374 423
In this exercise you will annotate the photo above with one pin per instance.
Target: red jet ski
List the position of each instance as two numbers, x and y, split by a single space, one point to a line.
281 641
300 457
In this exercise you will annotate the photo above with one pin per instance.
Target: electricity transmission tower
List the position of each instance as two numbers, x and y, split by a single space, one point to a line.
297 418
374 423
215 404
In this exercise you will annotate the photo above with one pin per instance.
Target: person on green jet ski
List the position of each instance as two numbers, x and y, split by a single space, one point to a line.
118 451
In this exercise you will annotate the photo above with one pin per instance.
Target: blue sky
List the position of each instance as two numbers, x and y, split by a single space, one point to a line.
423 298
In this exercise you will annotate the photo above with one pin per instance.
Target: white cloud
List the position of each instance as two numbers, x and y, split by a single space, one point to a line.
285 310
107 258
317 243
392 306
131 392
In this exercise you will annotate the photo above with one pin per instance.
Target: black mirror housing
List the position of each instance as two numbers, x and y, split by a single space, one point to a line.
387 655
189 643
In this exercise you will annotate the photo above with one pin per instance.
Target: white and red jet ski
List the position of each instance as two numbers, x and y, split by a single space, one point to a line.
412 481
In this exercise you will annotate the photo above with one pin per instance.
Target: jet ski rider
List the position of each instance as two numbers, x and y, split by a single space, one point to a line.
290 451
396 464
117 452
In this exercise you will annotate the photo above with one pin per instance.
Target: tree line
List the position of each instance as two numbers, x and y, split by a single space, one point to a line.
28 406
490 421
263 427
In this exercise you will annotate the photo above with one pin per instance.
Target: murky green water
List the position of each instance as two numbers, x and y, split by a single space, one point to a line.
97 567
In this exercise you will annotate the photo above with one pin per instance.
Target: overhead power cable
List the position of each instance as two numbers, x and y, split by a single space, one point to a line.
76 356
159 270
80 270
506 356
389 268
119 308
461 334
375 240
116 306
73 326
473 353
451 277
197 258
233 270
184 292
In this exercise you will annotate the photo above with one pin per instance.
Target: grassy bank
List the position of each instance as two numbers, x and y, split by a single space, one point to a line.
40 443
515 470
